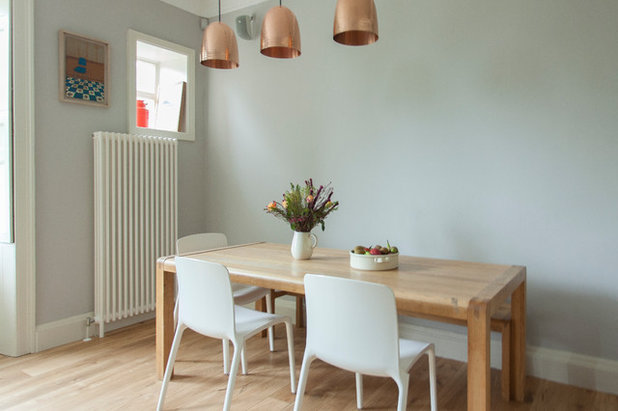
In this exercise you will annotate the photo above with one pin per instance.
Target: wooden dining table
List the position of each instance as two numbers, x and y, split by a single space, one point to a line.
443 290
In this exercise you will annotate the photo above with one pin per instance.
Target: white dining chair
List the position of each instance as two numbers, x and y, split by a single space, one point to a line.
243 294
353 325
206 305
249 294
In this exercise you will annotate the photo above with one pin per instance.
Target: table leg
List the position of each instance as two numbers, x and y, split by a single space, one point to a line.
260 305
479 387
165 317
300 311
518 343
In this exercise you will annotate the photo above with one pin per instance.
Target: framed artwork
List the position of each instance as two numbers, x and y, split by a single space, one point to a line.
84 70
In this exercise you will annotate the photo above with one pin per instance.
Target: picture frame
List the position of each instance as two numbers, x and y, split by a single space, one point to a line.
83 70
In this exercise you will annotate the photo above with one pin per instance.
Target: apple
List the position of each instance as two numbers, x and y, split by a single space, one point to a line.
375 250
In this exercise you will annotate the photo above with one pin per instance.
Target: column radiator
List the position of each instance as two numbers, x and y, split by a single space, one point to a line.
135 221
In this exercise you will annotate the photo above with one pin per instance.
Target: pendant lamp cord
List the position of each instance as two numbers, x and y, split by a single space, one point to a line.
220 11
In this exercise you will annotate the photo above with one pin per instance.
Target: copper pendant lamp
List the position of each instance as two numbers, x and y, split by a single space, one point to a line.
280 34
219 47
356 22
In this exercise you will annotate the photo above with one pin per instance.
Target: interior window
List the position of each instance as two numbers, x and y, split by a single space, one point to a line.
161 87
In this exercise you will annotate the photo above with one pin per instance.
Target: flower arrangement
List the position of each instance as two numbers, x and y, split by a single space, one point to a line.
304 207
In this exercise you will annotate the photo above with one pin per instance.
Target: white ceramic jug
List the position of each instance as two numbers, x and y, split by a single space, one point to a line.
303 245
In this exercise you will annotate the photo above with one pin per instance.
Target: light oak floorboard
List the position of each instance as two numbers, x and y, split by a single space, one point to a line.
118 373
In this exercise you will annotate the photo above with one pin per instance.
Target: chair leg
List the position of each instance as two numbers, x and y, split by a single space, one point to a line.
289 330
506 362
433 391
243 359
260 305
176 303
176 312
232 378
226 356
170 364
302 380
271 331
403 383
359 390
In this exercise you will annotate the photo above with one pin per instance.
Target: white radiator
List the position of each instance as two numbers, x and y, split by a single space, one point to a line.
135 214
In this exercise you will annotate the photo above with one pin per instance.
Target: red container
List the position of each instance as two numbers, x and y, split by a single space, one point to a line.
142 114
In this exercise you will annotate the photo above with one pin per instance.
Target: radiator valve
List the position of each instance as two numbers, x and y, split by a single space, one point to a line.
89 320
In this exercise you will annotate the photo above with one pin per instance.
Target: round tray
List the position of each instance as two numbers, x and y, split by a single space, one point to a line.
374 262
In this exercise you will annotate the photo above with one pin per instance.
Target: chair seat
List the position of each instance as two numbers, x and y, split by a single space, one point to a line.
409 352
245 294
250 322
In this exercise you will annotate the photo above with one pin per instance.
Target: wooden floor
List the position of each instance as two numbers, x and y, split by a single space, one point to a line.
118 372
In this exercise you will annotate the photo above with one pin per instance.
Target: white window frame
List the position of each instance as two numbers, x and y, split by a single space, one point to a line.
132 38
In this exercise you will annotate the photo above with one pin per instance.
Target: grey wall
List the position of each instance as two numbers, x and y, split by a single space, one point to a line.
482 130
64 153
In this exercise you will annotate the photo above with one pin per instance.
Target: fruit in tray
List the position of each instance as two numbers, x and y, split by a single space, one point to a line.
375 250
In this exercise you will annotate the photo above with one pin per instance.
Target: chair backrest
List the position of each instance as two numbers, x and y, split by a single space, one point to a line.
352 324
200 242
205 302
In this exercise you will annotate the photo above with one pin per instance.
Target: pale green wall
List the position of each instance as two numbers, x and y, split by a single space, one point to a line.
64 152
478 130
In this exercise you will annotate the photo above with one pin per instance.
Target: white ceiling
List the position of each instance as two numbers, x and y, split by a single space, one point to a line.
210 8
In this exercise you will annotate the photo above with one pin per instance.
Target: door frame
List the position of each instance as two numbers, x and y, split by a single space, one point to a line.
24 173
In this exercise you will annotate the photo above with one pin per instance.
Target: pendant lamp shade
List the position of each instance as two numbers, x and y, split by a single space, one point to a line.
356 22
219 47
280 34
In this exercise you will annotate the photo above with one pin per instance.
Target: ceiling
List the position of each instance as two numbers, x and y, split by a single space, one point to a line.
209 8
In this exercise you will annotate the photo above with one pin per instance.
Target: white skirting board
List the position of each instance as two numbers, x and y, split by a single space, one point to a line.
73 329
598 374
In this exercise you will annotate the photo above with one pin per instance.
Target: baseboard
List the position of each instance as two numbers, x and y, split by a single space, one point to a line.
74 328
449 343
594 373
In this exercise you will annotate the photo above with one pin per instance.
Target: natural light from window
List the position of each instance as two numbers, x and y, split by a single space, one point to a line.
161 88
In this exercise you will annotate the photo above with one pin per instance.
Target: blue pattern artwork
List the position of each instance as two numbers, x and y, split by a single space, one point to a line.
82 89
